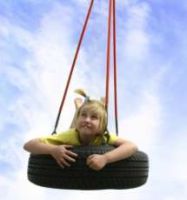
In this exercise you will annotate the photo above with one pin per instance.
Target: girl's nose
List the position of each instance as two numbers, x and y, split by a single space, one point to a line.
87 119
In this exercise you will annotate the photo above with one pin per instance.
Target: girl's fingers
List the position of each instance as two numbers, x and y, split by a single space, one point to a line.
72 154
66 156
61 165
89 159
64 162
69 158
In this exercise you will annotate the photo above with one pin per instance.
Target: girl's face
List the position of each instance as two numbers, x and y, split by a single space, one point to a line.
88 124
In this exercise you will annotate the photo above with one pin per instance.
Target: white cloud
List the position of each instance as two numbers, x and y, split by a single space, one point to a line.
143 125
19 189
137 41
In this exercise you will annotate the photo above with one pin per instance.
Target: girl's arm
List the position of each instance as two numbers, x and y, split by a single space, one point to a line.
35 146
124 149
61 153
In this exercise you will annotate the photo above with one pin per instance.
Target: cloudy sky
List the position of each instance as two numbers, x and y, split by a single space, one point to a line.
37 44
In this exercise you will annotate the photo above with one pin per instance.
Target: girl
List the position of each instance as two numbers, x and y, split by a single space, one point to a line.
89 128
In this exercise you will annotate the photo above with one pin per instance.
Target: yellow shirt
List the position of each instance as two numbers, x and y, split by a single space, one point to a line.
71 137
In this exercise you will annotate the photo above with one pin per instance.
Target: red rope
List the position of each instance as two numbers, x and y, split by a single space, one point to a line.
111 14
115 66
108 56
73 65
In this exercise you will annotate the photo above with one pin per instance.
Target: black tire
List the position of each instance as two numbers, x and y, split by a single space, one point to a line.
128 173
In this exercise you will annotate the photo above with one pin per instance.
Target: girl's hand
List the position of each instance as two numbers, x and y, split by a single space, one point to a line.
96 161
63 155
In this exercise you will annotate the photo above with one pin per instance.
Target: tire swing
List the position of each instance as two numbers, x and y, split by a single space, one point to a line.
132 172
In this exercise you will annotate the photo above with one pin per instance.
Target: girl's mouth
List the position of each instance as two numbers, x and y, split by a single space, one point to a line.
86 126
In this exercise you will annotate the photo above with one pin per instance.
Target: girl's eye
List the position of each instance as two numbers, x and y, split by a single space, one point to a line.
83 115
94 117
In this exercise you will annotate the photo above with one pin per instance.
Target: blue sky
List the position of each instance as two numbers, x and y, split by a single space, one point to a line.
37 45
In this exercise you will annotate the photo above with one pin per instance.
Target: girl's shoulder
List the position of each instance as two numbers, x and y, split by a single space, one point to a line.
70 137
112 137
71 131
